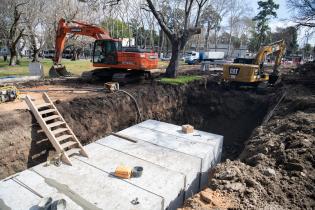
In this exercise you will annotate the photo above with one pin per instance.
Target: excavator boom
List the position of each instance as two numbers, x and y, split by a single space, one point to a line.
277 47
78 28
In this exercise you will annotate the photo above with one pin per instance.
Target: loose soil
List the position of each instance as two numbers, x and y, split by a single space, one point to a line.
268 165
276 168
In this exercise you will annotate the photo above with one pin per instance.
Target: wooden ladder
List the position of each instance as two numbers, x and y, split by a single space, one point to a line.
55 127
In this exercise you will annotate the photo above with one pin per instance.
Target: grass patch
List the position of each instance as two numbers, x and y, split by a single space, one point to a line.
180 80
75 67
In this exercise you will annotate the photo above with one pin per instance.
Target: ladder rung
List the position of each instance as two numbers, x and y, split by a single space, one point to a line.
59 130
47 111
73 151
51 117
68 144
43 105
63 137
54 124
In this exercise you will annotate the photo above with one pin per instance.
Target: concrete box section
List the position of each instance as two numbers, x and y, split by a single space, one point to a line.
175 167
206 146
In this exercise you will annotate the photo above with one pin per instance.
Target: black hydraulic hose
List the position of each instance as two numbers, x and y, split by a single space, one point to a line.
269 115
135 101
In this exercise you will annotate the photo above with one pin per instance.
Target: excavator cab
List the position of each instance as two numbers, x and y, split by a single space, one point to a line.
105 51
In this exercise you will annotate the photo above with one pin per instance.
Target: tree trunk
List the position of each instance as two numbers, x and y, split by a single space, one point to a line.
172 67
215 40
167 48
206 46
161 42
35 50
35 57
230 42
13 56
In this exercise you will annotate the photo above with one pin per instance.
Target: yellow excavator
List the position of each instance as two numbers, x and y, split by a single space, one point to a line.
250 71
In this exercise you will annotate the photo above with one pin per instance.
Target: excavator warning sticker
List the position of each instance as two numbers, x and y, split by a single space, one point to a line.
76 29
234 70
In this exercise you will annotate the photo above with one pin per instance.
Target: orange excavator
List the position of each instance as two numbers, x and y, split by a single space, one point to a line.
113 61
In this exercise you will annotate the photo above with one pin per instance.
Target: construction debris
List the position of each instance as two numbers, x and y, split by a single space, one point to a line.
8 93
187 129
123 172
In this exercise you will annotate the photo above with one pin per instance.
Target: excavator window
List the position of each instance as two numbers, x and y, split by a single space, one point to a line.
105 51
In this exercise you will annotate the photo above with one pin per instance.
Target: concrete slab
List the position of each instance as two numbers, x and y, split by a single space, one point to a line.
185 164
36 187
175 167
200 144
15 196
197 136
154 177
92 188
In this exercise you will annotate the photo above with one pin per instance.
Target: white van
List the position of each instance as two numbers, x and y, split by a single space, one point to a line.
49 53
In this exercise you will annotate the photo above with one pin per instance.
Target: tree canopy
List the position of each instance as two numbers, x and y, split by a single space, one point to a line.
267 10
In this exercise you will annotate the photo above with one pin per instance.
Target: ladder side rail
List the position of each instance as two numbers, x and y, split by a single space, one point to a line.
47 99
47 131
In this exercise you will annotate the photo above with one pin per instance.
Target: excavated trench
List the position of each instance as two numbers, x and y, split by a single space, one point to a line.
233 114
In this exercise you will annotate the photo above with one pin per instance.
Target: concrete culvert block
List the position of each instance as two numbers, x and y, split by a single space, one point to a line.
174 167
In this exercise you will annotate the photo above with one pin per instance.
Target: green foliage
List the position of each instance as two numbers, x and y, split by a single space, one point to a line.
210 17
236 42
117 28
180 80
289 35
141 34
307 49
267 11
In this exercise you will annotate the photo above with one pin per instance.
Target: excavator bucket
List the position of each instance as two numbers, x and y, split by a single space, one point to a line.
273 78
59 70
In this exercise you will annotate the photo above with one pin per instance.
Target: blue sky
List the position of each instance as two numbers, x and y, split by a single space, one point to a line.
283 20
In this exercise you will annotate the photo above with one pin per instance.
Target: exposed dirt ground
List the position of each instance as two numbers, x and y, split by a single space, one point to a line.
265 164
276 167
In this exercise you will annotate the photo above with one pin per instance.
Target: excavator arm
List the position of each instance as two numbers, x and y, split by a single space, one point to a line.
277 47
78 28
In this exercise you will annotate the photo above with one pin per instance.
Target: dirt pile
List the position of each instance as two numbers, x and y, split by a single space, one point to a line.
276 168
304 74
307 69
209 199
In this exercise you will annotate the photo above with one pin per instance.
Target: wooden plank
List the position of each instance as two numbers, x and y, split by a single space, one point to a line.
46 111
68 144
54 124
51 117
59 130
63 137
43 105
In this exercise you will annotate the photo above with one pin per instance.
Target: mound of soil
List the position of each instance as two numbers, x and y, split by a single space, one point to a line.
307 69
276 168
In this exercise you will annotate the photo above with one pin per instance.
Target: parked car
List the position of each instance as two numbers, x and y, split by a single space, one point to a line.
67 54
49 53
